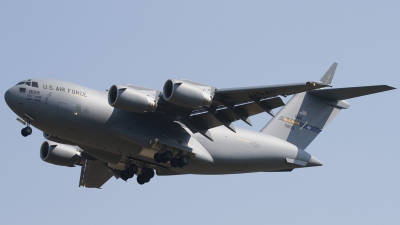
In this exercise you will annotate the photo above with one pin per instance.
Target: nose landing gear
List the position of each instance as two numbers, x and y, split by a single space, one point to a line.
26 131
26 121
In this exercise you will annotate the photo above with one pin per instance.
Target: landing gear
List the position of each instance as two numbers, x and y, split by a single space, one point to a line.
26 131
140 179
174 163
145 176
129 172
180 162
131 169
183 161
157 158
124 176
163 157
166 156
150 172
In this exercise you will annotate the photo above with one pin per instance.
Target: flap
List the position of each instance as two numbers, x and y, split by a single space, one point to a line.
94 174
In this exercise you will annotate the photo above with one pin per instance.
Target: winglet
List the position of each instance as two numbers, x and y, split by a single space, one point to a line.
327 78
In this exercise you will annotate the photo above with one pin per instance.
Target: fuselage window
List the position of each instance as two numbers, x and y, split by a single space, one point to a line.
35 84
22 90
28 83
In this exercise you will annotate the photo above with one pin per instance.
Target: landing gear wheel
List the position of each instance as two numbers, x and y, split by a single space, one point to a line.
163 158
28 130
133 168
157 158
124 176
184 160
140 179
23 132
168 155
174 163
146 177
129 173
150 172
178 162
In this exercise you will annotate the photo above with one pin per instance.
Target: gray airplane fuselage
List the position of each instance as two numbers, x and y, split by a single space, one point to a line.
77 115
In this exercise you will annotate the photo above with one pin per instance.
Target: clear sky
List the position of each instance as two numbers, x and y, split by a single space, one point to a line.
225 44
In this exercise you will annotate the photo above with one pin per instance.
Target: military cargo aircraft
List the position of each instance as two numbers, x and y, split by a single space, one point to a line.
187 128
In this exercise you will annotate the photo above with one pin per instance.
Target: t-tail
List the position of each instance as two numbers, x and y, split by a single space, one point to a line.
308 113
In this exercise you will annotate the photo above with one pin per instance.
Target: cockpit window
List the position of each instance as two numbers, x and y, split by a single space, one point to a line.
28 83
20 83
35 84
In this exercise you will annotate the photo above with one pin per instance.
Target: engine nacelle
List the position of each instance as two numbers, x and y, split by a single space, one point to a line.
59 154
131 99
185 94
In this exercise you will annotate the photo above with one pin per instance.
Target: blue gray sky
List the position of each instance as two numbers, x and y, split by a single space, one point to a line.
225 44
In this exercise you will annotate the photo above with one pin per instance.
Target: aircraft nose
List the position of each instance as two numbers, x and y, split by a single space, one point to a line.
314 162
8 97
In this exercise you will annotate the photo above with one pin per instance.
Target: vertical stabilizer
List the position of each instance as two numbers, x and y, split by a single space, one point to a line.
308 113
303 118
328 76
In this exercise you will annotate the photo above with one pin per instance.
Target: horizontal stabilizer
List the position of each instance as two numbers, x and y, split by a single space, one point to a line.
351 92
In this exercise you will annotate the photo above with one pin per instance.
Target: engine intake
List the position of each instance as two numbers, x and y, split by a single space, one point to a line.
130 99
59 154
185 94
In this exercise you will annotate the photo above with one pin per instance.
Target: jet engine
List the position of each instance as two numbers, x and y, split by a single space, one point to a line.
60 154
185 94
131 99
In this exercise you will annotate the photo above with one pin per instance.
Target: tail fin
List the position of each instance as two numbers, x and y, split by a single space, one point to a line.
303 118
308 113
328 76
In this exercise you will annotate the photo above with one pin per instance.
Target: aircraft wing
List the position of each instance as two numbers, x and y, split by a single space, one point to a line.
233 104
242 94
94 174
201 107
350 92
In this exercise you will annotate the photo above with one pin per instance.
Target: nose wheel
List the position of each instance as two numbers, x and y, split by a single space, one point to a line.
26 131
26 121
